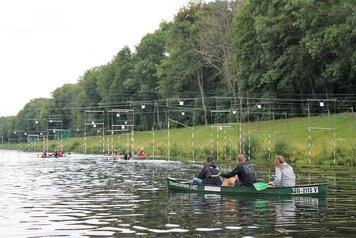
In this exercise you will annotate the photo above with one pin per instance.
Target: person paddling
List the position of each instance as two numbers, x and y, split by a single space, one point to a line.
209 174
45 154
141 153
242 175
127 155
284 174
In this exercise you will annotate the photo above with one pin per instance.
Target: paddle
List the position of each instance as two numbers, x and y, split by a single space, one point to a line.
260 186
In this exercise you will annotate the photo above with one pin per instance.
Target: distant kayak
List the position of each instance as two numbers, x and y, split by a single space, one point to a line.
50 155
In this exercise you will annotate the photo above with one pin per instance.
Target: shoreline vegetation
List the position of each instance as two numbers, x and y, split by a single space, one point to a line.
259 140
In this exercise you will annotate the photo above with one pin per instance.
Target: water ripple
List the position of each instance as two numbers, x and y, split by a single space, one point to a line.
93 196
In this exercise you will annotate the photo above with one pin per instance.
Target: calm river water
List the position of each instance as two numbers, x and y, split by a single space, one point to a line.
100 197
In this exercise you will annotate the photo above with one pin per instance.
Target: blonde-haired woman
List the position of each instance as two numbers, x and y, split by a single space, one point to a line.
284 174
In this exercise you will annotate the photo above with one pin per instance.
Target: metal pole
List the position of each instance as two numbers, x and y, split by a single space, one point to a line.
225 143
334 146
309 144
193 146
169 142
103 127
211 141
85 132
249 144
61 137
230 142
240 126
132 140
269 145
193 138
133 131
153 142
217 143
308 115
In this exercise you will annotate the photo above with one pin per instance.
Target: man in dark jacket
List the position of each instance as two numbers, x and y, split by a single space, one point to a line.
209 173
242 175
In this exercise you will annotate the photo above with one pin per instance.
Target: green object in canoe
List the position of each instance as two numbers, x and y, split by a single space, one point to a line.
260 186
312 190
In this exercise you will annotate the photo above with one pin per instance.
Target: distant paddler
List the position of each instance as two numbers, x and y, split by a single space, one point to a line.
141 153
44 154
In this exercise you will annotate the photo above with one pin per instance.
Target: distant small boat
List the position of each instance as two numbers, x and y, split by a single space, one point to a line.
314 190
51 155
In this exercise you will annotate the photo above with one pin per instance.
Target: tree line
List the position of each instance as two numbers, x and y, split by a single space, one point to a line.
234 49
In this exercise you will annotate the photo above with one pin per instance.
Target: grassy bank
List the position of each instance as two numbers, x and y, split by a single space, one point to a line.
259 140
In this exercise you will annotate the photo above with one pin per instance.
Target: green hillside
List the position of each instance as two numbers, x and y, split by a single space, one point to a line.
259 140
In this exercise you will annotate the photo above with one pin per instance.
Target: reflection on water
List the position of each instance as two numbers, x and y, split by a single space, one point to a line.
101 197
248 216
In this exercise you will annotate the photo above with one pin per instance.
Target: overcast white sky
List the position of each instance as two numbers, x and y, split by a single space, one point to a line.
47 43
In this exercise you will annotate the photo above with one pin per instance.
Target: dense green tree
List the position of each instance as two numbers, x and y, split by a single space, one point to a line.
64 104
294 48
88 95
149 54
121 88
184 73
214 42
36 110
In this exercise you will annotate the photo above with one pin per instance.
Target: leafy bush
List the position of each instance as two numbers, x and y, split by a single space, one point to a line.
251 147
282 147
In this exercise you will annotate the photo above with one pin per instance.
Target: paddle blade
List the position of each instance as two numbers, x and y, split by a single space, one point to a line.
260 186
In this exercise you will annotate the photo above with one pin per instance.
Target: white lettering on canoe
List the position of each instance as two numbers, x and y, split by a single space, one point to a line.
305 190
212 189
183 185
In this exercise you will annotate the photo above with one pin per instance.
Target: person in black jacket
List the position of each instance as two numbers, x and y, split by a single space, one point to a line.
209 175
242 175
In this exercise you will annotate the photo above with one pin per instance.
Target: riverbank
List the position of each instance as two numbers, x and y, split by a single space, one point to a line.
318 140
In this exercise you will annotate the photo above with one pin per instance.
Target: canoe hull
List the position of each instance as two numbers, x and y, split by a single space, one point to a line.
314 190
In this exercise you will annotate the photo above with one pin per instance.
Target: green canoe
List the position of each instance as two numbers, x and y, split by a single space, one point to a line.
314 190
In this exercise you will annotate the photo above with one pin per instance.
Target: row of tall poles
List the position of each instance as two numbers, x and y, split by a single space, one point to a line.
122 120
219 125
